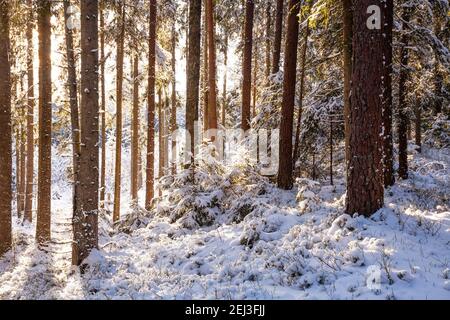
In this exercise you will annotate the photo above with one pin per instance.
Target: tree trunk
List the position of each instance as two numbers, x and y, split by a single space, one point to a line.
418 127
5 129
205 82
22 150
403 116
287 108
331 149
387 25
302 89
438 79
224 91
247 65
135 132
17 134
28 216
193 77
85 221
73 102
278 35
45 124
347 17
103 105
365 171
160 134
119 102
173 113
268 34
149 183
212 92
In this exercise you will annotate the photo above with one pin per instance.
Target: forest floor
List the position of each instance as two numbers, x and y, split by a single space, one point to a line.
306 248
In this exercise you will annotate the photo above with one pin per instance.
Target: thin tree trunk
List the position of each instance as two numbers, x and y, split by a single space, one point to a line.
45 124
302 89
5 129
149 183
403 116
73 102
28 215
119 103
224 91
205 81
18 198
212 92
278 35
347 17
268 34
173 113
102 106
331 149
418 127
85 221
365 189
438 79
22 151
160 134
287 107
247 65
135 132
387 25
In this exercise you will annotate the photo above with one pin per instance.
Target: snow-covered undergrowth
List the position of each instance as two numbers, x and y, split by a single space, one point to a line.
236 236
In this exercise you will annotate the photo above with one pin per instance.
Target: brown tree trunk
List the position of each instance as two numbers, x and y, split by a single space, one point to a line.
285 165
247 65
45 124
365 190
22 150
418 127
193 76
103 105
212 92
85 221
5 129
387 25
268 35
149 183
28 215
173 113
403 116
119 102
73 102
278 35
160 134
302 89
224 90
17 147
205 81
438 79
347 17
135 132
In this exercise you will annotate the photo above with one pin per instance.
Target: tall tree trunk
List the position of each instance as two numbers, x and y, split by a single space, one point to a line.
135 132
365 190
418 127
347 17
22 163
287 108
387 25
247 65
302 89
28 216
45 123
205 81
5 129
73 102
224 90
193 77
160 134
17 138
402 104
268 35
85 221
103 105
438 79
278 35
173 113
212 93
119 103
149 183
331 149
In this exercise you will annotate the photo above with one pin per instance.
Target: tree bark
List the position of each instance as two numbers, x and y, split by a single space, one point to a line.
278 35
268 35
365 190
73 102
212 91
28 215
135 132
102 106
119 103
387 25
287 108
85 221
193 77
173 113
150 171
402 104
347 17
45 124
247 65
5 129
205 81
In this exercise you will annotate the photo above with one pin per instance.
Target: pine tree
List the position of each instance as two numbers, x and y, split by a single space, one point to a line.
212 92
247 64
135 131
85 221
103 105
347 19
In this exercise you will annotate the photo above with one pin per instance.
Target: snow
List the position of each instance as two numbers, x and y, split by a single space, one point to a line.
295 244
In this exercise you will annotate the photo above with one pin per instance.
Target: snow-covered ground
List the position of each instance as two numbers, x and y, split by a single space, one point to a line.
301 246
